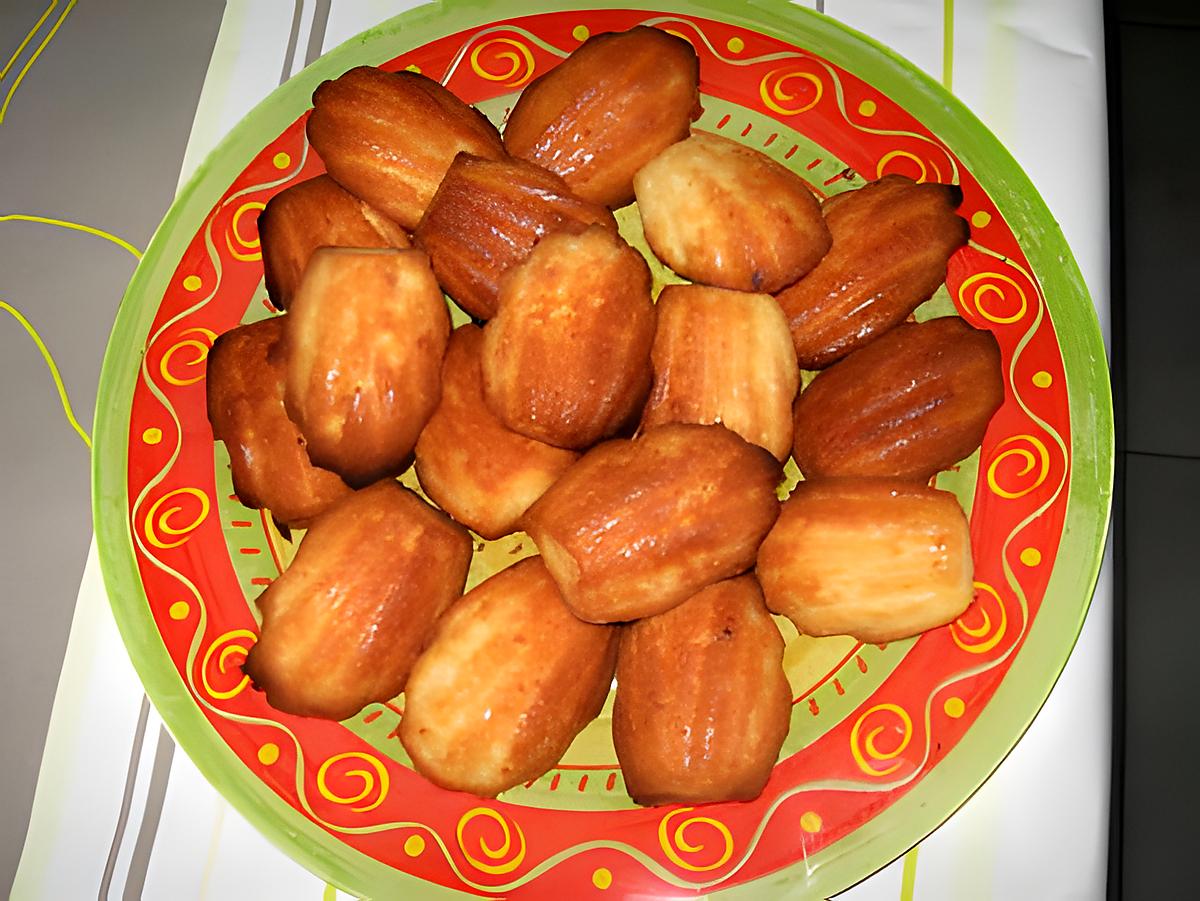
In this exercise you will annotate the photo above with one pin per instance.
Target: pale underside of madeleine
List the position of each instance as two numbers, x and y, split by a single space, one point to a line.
509 680
316 213
345 622
365 339
636 527
566 360
480 472
892 240
877 559
486 217
724 214
389 137
267 455
908 405
724 357
607 110
703 704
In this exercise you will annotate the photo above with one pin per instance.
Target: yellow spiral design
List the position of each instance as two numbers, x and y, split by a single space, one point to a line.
674 842
982 288
982 638
247 250
519 58
199 345
887 159
866 752
502 859
160 522
224 647
1033 457
771 90
374 781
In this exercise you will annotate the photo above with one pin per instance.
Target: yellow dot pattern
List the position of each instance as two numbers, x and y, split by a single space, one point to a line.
1043 379
602 878
179 610
810 821
152 436
414 846
981 219
867 108
282 160
954 707
1031 556
268 753
736 45
192 283
580 32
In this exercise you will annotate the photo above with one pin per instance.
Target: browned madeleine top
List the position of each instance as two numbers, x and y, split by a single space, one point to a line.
891 241
703 704
637 526
365 339
345 622
316 213
724 214
509 680
480 472
486 217
566 360
389 137
267 454
607 110
908 405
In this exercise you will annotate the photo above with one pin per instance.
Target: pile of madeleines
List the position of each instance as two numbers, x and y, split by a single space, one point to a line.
639 441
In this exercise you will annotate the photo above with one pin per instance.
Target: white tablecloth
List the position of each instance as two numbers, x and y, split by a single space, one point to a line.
120 810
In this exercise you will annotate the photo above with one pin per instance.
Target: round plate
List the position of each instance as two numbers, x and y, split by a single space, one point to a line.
885 741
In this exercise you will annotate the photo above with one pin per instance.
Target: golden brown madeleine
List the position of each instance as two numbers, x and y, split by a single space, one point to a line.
566 360
703 705
344 624
724 356
484 475
891 242
389 137
724 214
267 455
607 110
906 406
364 340
316 213
486 217
510 679
879 559
636 527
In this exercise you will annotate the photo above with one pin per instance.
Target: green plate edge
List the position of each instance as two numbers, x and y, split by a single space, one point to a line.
1047 646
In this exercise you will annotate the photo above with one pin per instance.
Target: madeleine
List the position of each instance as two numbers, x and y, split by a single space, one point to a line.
389 137
703 704
486 217
267 455
508 682
906 406
724 357
724 214
484 475
566 361
892 240
638 526
343 625
365 339
607 110
316 213
877 559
